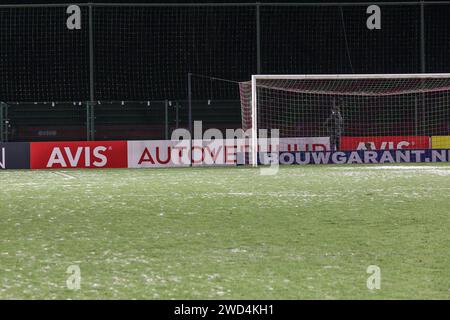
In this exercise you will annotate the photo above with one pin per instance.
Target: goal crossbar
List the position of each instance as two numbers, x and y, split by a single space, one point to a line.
350 76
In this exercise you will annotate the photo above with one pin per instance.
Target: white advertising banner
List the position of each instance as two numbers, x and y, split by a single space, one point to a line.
219 152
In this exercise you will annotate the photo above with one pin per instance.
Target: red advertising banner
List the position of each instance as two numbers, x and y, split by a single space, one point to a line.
80 154
385 143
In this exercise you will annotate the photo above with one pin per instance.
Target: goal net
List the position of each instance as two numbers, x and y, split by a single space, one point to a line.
375 111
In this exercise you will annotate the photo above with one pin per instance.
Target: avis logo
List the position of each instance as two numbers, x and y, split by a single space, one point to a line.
385 145
66 158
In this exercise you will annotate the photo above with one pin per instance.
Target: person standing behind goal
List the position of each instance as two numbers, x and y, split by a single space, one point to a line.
335 124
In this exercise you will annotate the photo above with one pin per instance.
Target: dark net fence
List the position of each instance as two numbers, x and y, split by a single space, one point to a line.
145 53
334 40
40 59
141 55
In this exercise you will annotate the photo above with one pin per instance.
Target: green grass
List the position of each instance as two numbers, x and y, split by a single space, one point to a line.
309 232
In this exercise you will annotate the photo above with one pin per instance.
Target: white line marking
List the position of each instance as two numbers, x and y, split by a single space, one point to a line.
62 174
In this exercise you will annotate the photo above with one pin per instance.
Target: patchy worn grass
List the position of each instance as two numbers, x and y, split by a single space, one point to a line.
226 233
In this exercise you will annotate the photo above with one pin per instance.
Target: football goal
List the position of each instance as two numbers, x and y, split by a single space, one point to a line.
347 108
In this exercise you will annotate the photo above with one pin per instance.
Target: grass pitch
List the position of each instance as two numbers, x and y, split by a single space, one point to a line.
309 232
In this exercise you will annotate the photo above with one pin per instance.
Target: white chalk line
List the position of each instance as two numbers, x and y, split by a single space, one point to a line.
65 175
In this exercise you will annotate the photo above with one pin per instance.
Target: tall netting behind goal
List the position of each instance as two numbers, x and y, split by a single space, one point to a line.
345 108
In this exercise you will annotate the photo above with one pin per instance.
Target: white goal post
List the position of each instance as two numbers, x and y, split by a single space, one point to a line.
386 104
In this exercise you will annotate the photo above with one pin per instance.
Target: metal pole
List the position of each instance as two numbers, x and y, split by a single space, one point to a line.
258 39
254 137
166 114
2 123
190 102
176 115
90 105
422 63
91 54
6 122
88 121
190 115
416 117
422 38
92 121
90 131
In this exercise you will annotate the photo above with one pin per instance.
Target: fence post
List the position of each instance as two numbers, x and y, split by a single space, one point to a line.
258 38
423 67
422 38
166 116
177 120
90 131
90 104
88 121
416 116
93 121
190 103
91 54
6 125
2 123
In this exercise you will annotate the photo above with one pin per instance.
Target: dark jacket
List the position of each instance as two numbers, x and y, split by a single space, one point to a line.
335 123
